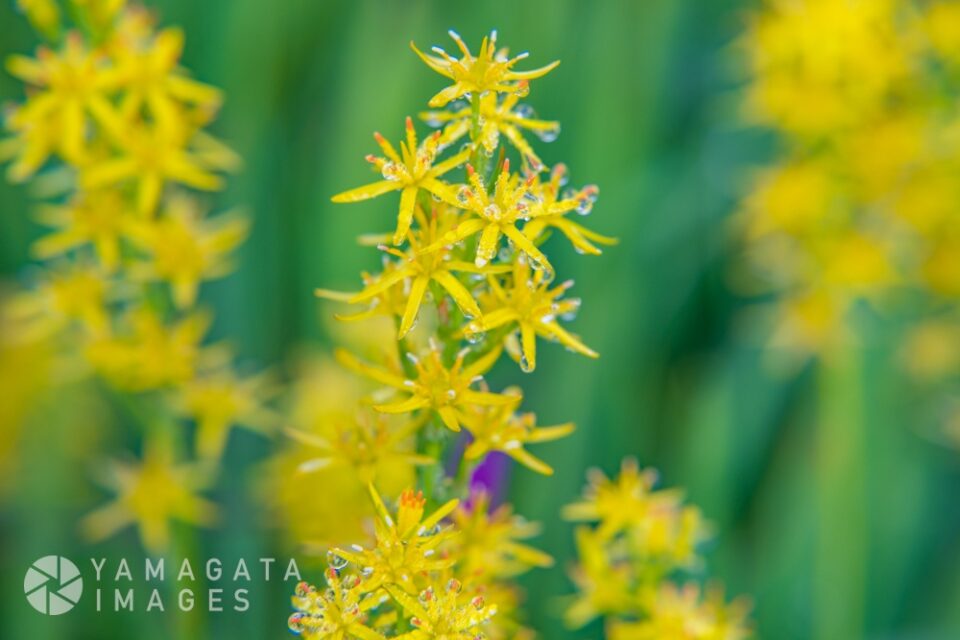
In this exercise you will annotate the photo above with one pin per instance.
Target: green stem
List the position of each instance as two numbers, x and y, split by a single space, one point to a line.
840 578
478 159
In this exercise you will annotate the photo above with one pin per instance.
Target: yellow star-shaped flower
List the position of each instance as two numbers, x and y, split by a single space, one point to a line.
408 172
490 71
445 391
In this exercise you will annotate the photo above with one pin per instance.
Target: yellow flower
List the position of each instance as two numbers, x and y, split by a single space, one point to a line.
410 171
496 215
526 301
152 157
340 612
185 249
389 301
219 400
149 495
446 391
681 614
487 545
69 87
820 65
149 354
44 15
417 269
67 295
406 544
153 82
489 71
496 117
97 218
604 587
445 613
501 428
549 210
367 444
623 502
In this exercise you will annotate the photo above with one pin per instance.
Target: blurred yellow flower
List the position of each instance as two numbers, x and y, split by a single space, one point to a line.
97 218
150 494
219 400
184 248
148 354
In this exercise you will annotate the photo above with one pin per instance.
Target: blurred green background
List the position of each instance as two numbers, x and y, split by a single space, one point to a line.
867 545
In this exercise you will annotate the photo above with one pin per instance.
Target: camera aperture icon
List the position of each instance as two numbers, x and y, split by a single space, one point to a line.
53 585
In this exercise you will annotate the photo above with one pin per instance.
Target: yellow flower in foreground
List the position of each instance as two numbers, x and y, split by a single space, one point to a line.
149 354
496 214
550 209
417 269
70 86
97 218
446 391
489 71
445 613
339 612
501 428
526 301
496 117
186 249
409 171
406 544
221 400
149 495
487 545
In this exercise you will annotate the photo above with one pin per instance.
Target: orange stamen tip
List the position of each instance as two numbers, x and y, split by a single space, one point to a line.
470 169
506 165
370 158
436 134
377 136
409 122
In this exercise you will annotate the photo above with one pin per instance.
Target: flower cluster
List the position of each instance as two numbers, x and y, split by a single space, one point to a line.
112 133
642 538
861 204
464 279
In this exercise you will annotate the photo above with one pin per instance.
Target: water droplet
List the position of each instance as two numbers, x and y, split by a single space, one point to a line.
451 394
463 194
433 119
492 211
426 595
391 171
474 333
480 262
454 586
550 134
295 623
505 254
525 365
335 560
525 111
